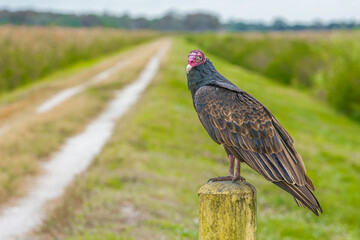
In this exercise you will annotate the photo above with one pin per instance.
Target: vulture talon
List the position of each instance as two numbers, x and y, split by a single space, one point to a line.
240 178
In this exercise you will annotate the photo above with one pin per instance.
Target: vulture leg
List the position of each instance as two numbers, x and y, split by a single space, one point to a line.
231 165
237 172
231 176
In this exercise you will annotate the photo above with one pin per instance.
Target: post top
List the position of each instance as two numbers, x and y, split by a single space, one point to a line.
227 187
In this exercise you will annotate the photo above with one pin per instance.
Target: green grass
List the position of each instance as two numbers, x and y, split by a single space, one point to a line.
144 183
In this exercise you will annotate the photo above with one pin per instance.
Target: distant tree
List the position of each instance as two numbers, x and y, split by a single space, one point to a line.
169 22
237 26
201 22
317 25
89 20
140 23
279 24
125 21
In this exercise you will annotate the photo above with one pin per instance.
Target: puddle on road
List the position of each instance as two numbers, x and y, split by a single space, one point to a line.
74 157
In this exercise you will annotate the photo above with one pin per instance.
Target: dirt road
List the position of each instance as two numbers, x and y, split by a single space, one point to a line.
77 151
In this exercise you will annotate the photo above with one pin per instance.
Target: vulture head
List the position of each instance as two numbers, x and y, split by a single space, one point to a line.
195 58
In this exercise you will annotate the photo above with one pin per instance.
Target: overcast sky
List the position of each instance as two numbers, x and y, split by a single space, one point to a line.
264 10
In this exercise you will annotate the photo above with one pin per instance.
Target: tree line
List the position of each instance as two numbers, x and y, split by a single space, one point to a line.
171 21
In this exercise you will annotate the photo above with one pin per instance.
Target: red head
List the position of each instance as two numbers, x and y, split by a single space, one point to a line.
196 57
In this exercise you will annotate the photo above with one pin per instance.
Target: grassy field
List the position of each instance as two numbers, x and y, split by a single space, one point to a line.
29 53
144 183
35 137
324 62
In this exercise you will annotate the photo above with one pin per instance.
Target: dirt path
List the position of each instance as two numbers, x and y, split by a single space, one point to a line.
33 137
74 156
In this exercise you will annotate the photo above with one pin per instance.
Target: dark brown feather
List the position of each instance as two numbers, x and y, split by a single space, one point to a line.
303 195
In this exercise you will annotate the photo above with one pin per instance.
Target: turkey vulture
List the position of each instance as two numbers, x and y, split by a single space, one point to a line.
248 131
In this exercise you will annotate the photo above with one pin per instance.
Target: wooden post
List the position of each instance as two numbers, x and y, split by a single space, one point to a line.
227 211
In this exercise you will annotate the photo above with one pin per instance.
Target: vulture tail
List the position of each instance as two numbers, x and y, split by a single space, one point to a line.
303 196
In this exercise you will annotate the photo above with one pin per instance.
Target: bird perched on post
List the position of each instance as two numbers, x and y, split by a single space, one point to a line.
248 131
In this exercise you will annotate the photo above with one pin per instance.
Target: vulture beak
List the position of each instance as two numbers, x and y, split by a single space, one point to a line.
188 68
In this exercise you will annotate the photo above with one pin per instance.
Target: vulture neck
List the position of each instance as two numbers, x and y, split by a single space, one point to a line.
205 75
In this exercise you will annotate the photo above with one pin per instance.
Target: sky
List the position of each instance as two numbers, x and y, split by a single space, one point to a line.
249 10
